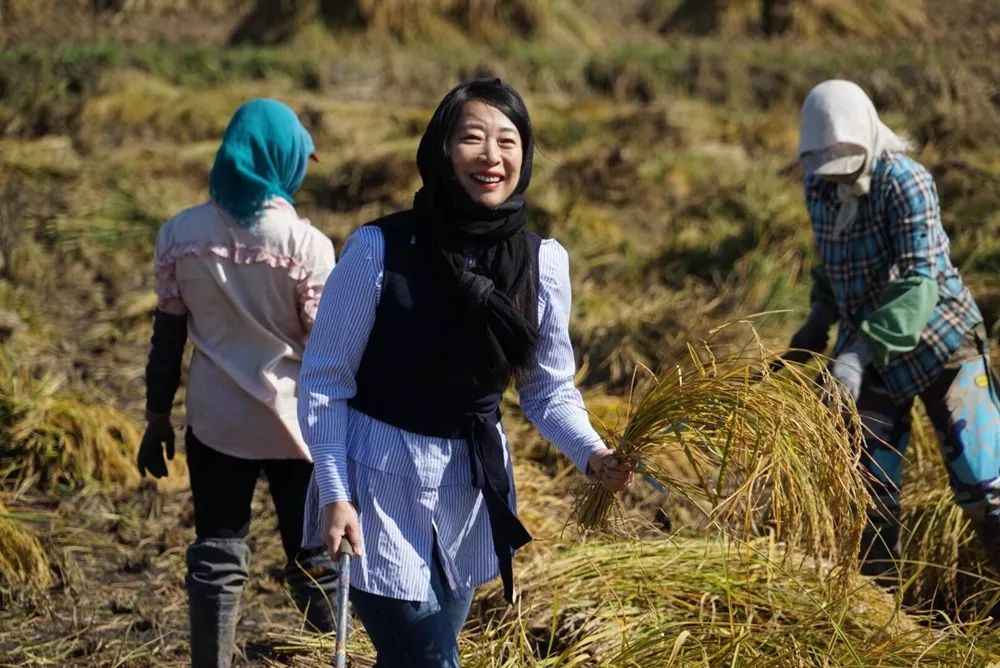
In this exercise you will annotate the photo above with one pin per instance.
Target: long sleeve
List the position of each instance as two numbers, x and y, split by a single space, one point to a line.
906 303
821 291
318 260
332 357
170 322
913 210
548 395
163 368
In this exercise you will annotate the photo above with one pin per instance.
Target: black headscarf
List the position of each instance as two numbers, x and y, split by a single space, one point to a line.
496 329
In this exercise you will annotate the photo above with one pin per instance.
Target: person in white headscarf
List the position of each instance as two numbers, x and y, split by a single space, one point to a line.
908 326
840 138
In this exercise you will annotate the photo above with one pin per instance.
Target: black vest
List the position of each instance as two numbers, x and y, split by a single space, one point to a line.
408 379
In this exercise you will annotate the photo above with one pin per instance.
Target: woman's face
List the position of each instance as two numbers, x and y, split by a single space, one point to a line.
486 153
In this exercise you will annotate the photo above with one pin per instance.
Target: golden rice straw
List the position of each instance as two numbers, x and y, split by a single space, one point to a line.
23 563
49 438
778 456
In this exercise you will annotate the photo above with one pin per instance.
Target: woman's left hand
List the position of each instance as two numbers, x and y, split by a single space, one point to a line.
614 471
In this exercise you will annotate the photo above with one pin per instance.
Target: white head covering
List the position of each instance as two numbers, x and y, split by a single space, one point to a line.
842 134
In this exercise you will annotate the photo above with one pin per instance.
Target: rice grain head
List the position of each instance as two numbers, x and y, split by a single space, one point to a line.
49 438
777 456
23 563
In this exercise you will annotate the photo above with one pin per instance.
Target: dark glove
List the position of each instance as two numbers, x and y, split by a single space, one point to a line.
159 432
814 335
849 366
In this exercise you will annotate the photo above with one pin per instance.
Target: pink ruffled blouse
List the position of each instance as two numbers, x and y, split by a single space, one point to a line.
251 297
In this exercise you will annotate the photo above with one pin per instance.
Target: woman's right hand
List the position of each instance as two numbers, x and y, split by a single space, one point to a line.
614 471
340 522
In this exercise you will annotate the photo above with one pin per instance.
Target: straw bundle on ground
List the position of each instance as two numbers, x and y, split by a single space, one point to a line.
688 602
48 439
780 455
23 563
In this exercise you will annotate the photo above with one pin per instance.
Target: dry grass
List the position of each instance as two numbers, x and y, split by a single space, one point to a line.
687 602
801 18
23 562
464 20
49 439
774 456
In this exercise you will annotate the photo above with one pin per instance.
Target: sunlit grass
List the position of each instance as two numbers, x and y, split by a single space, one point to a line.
779 454
50 439
665 166
23 562
686 602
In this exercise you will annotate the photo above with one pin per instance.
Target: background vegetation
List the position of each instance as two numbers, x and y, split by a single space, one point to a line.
666 131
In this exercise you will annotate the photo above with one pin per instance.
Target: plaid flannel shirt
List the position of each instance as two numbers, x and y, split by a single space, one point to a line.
897 234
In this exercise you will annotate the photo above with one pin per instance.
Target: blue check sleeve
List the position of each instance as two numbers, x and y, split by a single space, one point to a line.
913 210
332 357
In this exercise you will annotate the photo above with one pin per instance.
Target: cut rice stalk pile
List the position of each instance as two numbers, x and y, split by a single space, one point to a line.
688 602
779 455
23 563
49 439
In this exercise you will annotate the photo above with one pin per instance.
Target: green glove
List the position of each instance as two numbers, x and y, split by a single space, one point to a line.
159 433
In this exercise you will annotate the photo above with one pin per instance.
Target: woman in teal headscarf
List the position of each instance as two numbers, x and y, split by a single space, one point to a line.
264 154
241 276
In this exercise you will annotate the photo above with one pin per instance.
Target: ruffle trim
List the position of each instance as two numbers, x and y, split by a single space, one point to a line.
166 269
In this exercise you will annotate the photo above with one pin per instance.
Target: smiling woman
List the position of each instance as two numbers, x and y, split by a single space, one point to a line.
427 318
486 153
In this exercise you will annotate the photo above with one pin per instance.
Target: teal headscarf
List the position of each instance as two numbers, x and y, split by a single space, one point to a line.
264 154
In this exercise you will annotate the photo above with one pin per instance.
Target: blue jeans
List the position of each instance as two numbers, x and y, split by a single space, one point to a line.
414 634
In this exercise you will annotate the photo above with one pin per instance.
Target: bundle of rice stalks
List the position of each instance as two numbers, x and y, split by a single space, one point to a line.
23 563
687 602
780 455
48 438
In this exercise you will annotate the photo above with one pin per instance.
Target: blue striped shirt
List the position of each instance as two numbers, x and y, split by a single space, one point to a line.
897 234
413 490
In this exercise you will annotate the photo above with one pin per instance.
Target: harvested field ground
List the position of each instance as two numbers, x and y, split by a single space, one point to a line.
666 165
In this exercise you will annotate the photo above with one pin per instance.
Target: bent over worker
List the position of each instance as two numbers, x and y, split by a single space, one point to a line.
908 326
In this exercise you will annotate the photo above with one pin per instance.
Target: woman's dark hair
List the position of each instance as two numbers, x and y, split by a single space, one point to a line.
433 154
497 330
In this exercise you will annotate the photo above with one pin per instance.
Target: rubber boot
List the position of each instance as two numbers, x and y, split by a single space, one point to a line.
312 579
217 569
